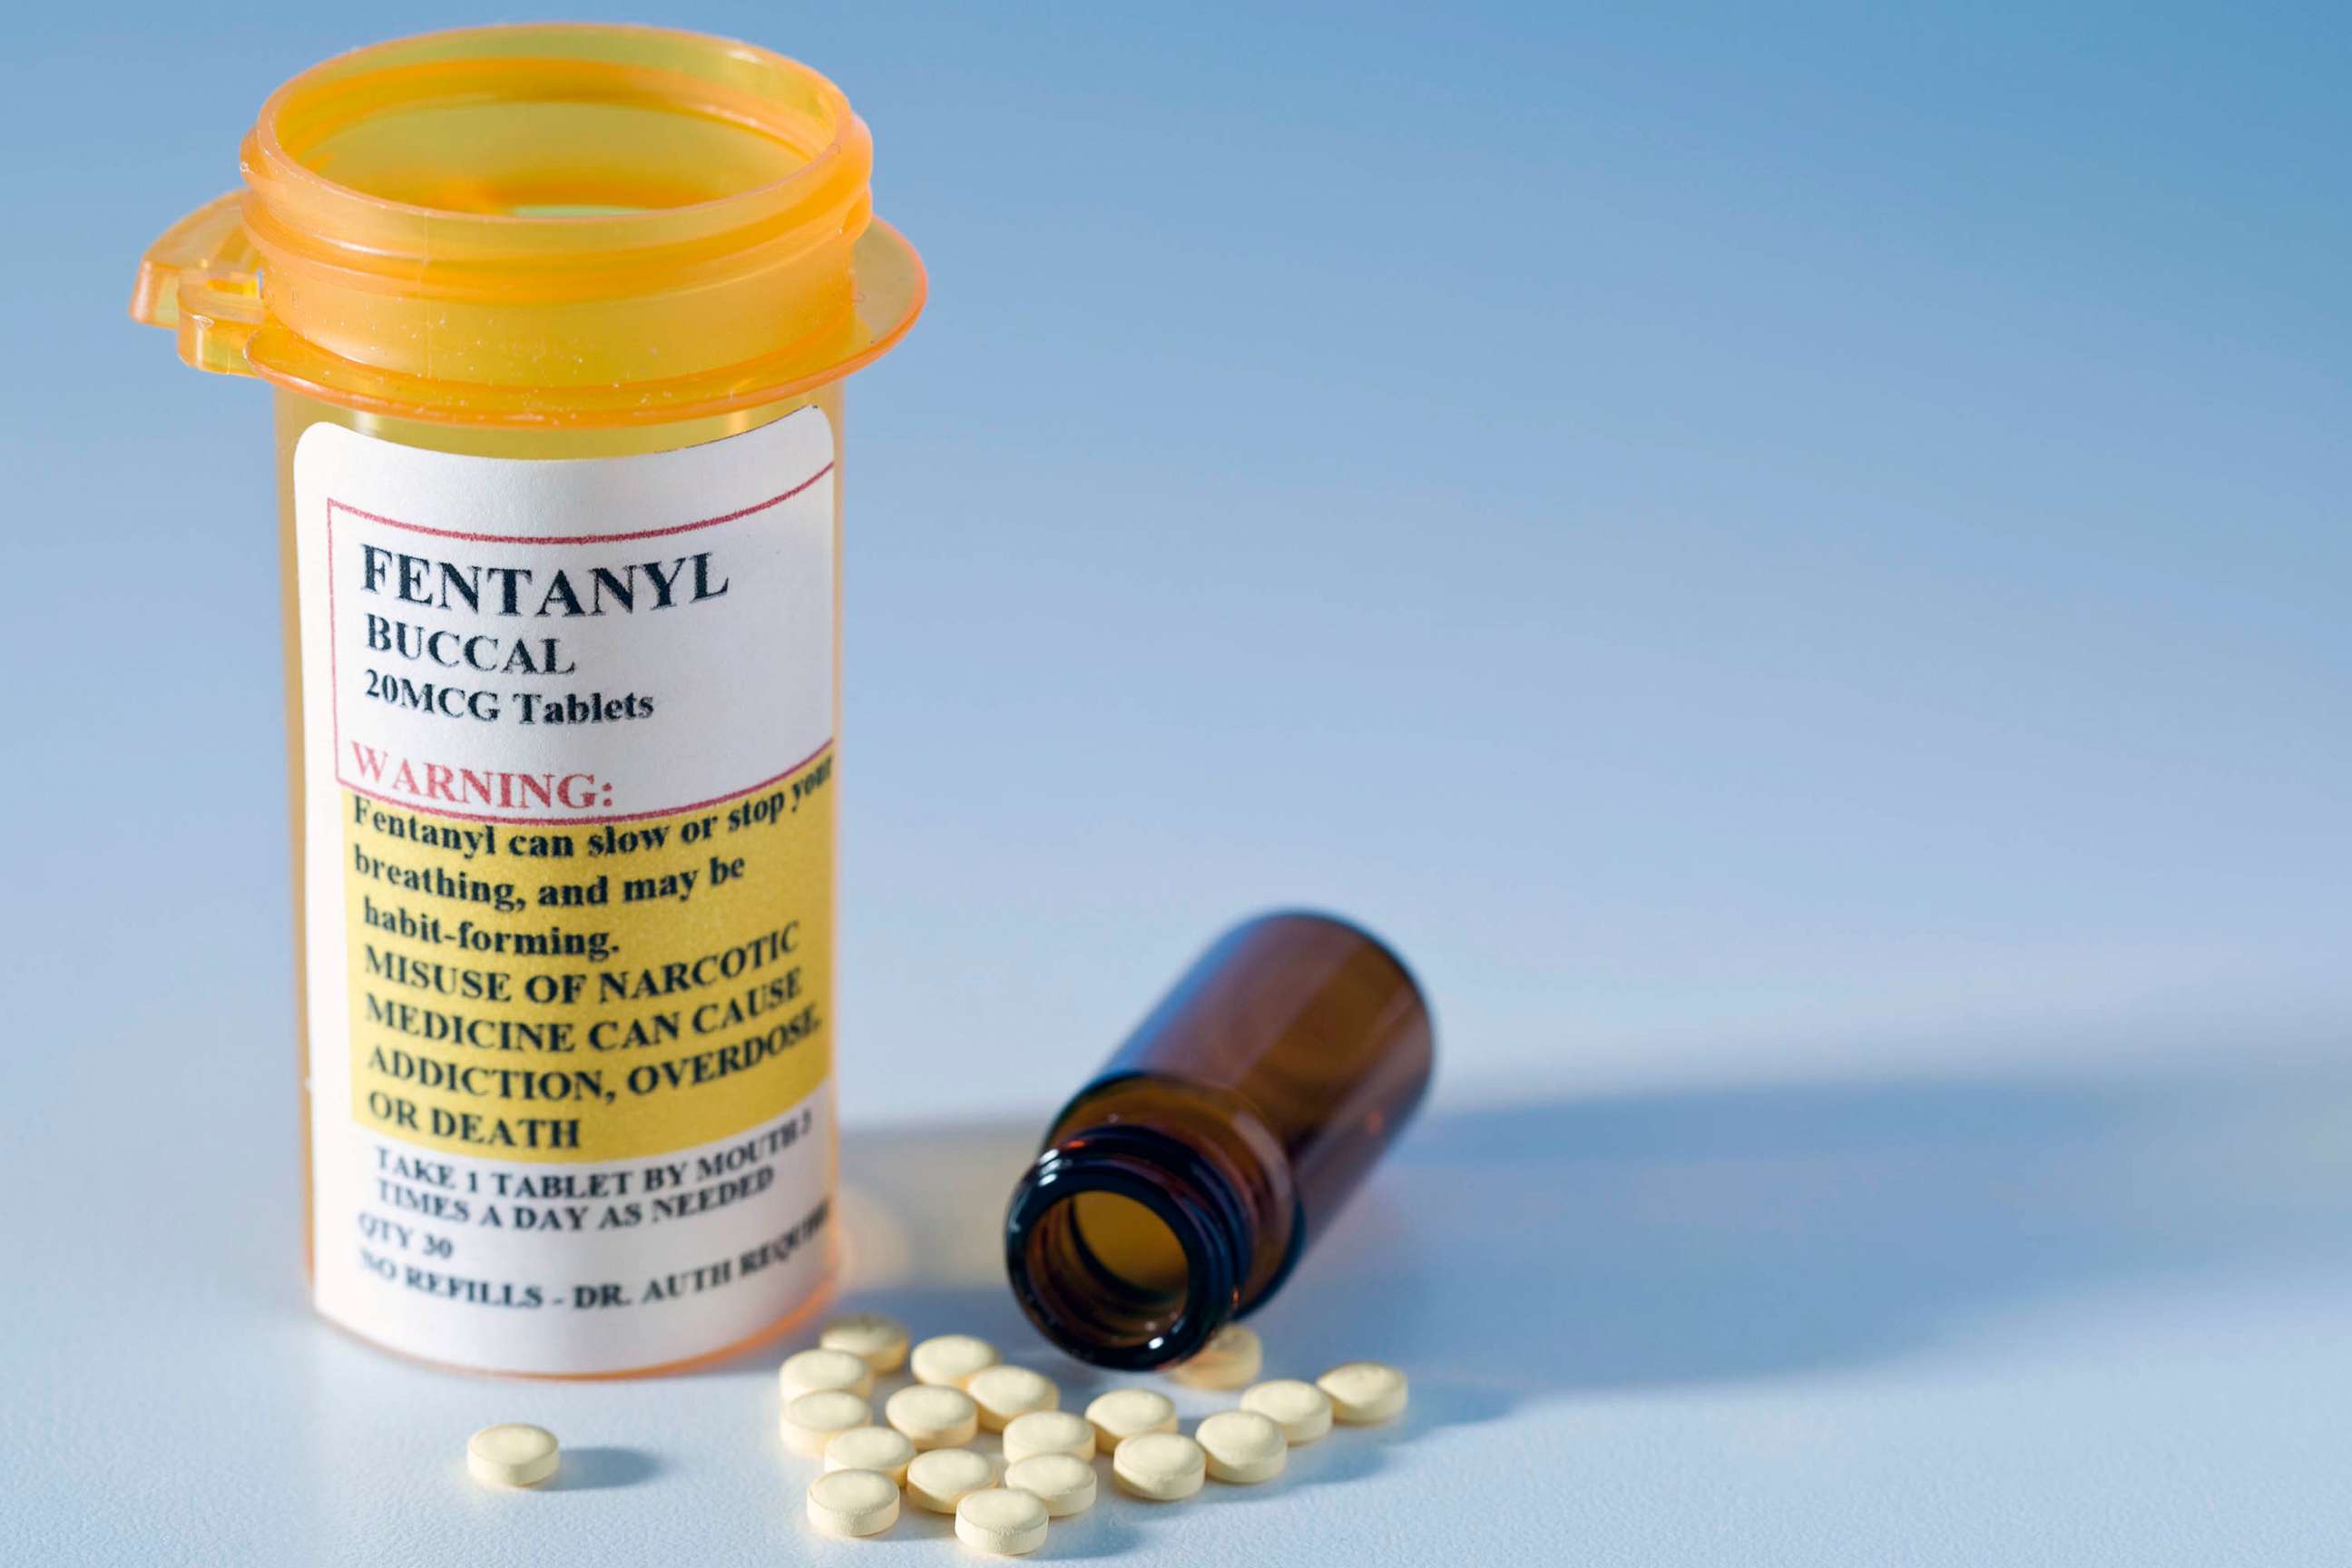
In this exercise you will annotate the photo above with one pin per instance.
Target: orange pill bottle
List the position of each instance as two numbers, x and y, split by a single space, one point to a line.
555 320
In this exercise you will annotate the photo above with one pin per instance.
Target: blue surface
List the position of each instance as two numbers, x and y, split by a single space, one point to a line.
1794 564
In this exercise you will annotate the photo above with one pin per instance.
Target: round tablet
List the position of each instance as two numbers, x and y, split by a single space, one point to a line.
1243 1446
951 1358
853 1502
1000 1522
1065 1485
1363 1391
814 1420
1160 1466
811 1370
513 1454
877 1341
1004 1391
933 1416
939 1479
1230 1360
1048 1432
1124 1413
1302 1410
870 1448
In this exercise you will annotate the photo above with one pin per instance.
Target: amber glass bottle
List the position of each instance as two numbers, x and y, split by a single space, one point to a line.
1177 1190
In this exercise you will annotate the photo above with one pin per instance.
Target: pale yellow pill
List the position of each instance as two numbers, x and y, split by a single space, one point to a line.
1243 1448
1125 1413
1048 1432
853 1502
1231 1359
812 1369
1004 1391
870 1448
1065 1485
1161 1467
1302 1410
940 1478
933 1416
877 1341
951 1358
1000 1522
814 1420
1363 1391
513 1454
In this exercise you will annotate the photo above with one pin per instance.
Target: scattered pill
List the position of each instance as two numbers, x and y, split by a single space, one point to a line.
814 1420
1302 1410
951 1358
1160 1466
1125 1413
1232 1359
1004 1391
513 1454
1064 1484
1000 1522
1048 1432
1363 1391
932 1415
1243 1446
940 1478
877 1341
853 1502
870 1448
812 1369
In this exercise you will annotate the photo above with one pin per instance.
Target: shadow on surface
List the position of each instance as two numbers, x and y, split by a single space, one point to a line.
1737 1233
1698 1235
596 1469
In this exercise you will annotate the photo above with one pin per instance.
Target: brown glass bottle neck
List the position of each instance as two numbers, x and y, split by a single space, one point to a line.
1081 1302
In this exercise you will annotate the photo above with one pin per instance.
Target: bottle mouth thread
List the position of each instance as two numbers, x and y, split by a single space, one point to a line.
545 224
1109 1296
598 158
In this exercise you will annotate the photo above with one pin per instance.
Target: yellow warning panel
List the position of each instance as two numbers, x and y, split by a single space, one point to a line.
586 990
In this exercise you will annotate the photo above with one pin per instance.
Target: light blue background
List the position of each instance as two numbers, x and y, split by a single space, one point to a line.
1795 560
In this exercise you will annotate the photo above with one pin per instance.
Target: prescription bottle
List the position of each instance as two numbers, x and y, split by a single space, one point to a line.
1176 1191
555 320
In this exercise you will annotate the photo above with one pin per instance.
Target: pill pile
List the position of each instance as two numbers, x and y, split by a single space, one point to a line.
919 1452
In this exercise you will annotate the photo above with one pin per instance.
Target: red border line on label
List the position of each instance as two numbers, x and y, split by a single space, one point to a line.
335 676
333 504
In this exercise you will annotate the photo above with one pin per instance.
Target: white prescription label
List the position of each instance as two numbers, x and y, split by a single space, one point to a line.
568 881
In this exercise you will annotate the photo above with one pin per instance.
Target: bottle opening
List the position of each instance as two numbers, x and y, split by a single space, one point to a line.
1119 1258
559 127
547 224
1130 1251
1110 1264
